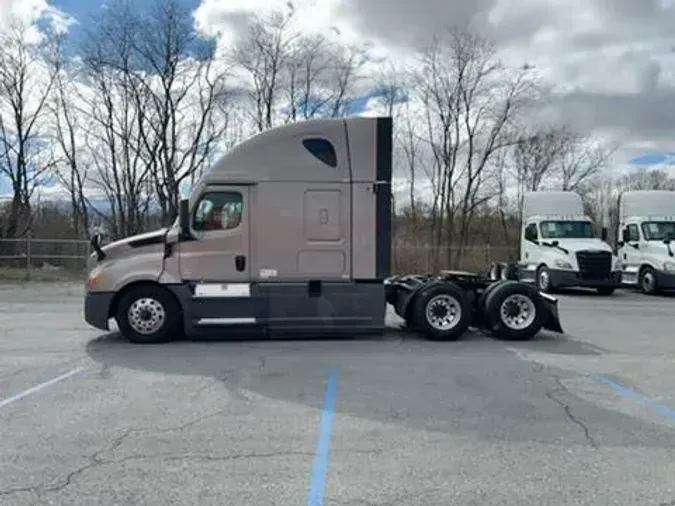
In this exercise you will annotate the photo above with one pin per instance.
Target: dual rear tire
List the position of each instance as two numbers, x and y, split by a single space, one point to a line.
509 309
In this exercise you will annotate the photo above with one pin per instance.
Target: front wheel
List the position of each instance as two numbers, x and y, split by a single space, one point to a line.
514 311
544 280
442 312
148 314
647 281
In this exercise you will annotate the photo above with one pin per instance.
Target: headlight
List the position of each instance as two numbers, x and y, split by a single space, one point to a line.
669 266
95 276
618 265
563 264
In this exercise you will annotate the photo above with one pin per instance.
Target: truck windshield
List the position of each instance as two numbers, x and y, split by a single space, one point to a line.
566 229
658 230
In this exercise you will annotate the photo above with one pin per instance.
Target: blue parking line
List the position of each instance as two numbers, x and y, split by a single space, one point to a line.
630 393
317 486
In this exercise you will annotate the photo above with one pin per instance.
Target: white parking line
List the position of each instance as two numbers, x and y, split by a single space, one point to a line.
37 388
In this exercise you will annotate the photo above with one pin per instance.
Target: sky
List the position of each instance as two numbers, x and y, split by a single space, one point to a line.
609 65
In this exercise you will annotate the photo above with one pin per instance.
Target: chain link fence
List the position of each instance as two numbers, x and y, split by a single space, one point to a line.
29 258
38 259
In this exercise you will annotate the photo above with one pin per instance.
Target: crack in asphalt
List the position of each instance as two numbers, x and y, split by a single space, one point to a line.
560 388
96 460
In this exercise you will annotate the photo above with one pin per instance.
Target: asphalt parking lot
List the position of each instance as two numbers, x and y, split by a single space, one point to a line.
582 419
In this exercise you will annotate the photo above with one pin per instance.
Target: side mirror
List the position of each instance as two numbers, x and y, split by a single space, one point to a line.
625 236
603 234
184 218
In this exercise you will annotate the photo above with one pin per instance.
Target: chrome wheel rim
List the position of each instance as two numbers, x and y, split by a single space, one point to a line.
443 312
518 311
543 280
146 315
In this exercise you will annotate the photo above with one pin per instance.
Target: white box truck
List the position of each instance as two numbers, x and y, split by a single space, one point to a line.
558 248
645 239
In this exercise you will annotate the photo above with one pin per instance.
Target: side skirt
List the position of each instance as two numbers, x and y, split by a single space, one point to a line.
302 309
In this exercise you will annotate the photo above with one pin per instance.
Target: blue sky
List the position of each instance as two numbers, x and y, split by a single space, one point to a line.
82 10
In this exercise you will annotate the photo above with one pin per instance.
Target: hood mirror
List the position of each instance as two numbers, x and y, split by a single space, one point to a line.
96 246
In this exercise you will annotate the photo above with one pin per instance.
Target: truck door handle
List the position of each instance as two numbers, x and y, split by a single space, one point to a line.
240 262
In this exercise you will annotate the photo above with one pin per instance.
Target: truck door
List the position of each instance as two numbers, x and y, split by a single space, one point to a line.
216 262
630 253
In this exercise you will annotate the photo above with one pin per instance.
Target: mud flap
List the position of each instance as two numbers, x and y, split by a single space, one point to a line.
551 319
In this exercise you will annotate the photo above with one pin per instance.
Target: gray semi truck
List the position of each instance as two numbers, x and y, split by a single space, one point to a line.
289 234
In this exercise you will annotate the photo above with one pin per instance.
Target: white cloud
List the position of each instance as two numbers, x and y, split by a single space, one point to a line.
29 11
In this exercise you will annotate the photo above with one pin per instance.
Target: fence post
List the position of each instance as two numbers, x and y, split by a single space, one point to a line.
28 254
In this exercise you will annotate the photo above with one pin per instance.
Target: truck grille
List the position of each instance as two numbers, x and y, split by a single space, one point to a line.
594 264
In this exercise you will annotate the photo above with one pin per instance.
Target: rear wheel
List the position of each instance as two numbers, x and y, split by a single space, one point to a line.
148 314
514 311
442 312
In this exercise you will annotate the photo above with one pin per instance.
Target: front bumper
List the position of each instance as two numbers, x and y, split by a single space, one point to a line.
562 279
665 279
97 309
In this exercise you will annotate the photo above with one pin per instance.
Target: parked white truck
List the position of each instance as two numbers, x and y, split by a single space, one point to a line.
558 248
645 239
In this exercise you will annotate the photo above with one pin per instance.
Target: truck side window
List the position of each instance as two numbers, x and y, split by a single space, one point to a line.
633 232
218 211
321 149
531 232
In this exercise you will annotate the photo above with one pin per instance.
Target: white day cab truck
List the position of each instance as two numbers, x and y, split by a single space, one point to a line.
646 239
289 235
558 248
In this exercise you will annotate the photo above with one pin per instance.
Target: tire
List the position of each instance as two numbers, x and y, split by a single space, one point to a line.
647 281
544 280
483 296
526 304
606 290
433 303
159 306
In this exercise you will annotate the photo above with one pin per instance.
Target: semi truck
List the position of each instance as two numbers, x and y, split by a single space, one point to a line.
558 247
646 235
289 235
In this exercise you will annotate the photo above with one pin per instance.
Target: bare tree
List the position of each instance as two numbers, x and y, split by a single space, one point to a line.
68 134
189 99
295 76
26 82
118 110
557 156
263 54
472 101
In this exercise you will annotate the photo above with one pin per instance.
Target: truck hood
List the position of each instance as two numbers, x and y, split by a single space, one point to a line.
149 240
136 241
574 245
